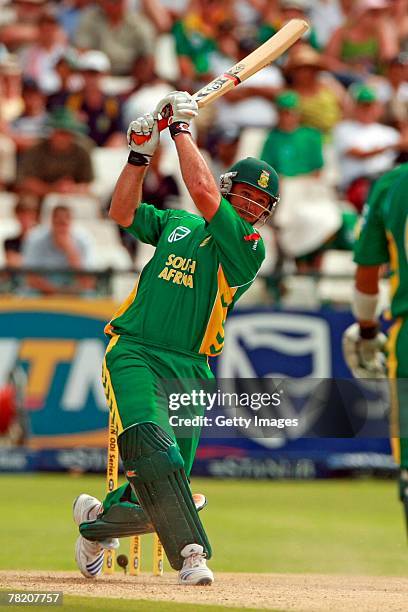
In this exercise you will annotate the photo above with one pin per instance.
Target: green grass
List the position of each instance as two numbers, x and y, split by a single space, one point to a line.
71 604
353 527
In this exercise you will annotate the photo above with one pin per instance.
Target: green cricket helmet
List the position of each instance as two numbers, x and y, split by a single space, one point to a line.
258 174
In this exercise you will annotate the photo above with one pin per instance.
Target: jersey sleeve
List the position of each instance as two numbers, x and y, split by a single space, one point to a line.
371 248
148 223
240 248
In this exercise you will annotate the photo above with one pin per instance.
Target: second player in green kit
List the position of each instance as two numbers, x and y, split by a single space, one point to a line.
167 328
384 240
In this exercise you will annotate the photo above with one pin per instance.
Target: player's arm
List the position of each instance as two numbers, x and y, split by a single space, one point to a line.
128 190
195 171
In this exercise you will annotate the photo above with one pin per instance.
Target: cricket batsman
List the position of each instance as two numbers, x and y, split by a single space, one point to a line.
383 239
172 321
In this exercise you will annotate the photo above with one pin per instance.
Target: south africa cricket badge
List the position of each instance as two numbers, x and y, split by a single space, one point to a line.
263 180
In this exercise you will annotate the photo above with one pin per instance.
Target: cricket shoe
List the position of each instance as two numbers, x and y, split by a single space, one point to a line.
195 570
89 556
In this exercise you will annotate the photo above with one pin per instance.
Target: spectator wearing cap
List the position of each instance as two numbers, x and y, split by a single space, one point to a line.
59 163
272 19
102 113
66 69
292 149
30 127
365 147
26 212
360 47
107 26
38 59
321 98
54 248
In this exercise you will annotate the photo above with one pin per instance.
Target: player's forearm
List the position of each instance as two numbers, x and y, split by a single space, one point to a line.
127 194
366 295
197 176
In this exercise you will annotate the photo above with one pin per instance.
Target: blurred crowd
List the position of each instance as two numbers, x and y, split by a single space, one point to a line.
331 116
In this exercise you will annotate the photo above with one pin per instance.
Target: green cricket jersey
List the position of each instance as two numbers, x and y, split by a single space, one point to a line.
384 233
198 271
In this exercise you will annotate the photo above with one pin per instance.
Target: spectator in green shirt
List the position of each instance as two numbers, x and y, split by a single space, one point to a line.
292 149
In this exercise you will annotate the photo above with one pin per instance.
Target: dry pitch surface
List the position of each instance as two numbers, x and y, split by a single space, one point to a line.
286 592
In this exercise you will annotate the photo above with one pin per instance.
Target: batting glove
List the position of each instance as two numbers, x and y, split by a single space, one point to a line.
180 108
146 126
365 357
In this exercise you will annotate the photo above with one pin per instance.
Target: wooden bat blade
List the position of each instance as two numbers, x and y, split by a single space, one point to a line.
252 63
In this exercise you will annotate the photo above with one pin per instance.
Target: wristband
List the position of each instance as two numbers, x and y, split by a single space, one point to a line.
364 306
138 159
369 332
179 127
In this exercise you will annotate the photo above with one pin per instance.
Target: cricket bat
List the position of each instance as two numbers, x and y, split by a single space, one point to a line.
258 59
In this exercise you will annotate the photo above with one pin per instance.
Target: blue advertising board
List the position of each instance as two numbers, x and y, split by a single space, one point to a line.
60 344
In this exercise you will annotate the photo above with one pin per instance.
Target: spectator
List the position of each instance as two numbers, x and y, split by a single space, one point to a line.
292 149
102 113
365 147
110 28
360 47
11 100
148 89
58 247
196 36
327 16
29 128
59 163
38 60
222 145
289 9
69 14
393 91
399 14
159 189
68 79
26 212
20 25
320 97
250 104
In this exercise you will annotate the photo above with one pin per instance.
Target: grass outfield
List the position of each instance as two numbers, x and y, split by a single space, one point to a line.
347 527
72 604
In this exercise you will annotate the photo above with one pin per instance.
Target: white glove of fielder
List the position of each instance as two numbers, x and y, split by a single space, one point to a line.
180 105
146 125
365 358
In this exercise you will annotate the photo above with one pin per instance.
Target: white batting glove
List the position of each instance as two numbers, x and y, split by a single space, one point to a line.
146 126
180 107
365 358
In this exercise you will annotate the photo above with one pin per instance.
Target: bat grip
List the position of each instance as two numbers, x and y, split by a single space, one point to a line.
162 124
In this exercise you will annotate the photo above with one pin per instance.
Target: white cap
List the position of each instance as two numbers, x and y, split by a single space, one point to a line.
94 60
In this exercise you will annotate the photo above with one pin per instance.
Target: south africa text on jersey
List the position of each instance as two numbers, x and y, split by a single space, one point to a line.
179 270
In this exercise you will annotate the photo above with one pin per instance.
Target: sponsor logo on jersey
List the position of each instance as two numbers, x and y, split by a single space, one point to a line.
255 237
263 180
179 233
205 241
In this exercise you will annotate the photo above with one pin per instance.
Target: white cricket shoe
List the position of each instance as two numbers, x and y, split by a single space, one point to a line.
89 556
195 570
86 508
